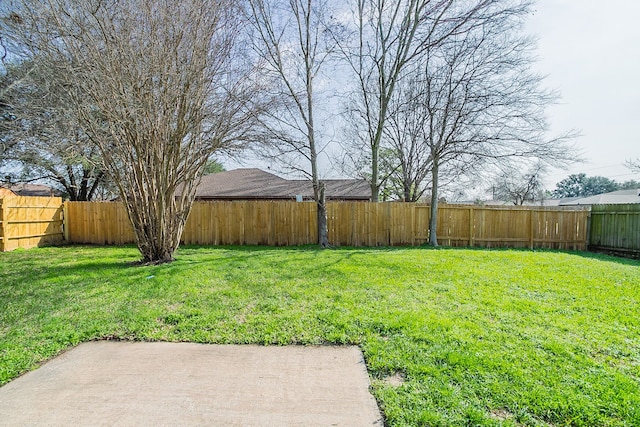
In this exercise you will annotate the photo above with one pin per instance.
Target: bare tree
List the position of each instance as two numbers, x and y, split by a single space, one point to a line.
292 41
160 94
518 187
405 134
634 165
478 102
8 80
406 151
389 37
44 140
7 119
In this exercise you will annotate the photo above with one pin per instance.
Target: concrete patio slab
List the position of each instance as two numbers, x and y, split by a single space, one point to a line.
127 384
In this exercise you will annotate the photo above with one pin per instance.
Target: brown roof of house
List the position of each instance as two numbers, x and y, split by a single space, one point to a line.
240 184
32 190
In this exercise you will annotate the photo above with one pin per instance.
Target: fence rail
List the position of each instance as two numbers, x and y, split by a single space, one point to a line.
350 224
26 222
615 228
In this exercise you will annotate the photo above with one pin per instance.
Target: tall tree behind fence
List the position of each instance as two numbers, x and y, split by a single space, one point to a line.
615 227
26 222
350 224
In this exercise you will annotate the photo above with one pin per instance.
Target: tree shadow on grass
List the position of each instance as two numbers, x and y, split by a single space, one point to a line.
607 257
602 256
47 276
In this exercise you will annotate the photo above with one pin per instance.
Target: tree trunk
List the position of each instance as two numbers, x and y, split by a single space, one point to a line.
433 221
94 186
318 190
406 191
157 213
374 192
323 233
158 231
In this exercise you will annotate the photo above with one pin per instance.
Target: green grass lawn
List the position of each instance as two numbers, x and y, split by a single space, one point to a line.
476 337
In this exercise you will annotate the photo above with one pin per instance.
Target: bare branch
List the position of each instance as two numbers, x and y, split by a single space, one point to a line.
634 165
159 87
290 41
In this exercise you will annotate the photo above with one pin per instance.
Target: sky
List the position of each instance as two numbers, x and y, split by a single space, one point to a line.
590 51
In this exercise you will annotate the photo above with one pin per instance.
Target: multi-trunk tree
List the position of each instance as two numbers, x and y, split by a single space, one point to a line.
158 88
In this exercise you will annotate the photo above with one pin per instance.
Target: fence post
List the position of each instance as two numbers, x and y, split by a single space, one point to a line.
2 236
414 228
471 226
588 242
531 228
65 221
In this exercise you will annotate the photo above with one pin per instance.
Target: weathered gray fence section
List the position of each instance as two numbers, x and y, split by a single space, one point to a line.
615 228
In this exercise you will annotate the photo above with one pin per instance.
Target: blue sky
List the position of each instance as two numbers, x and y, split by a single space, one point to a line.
590 52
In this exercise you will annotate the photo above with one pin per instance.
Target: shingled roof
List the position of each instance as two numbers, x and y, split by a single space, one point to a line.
613 198
256 184
32 190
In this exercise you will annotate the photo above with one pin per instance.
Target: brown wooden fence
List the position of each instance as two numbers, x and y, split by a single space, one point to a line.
98 223
26 222
615 228
350 224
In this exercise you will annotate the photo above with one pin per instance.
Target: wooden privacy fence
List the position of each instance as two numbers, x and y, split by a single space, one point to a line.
26 222
97 222
510 226
615 227
349 223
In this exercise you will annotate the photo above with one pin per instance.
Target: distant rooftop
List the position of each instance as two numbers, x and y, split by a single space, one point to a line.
613 198
31 190
256 184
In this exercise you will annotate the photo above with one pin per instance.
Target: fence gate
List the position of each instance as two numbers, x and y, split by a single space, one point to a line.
26 222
